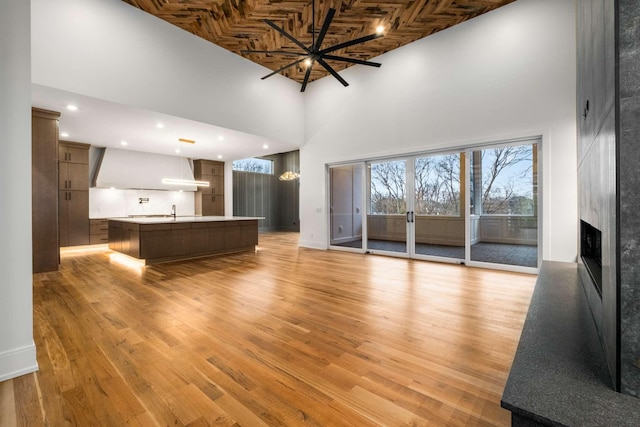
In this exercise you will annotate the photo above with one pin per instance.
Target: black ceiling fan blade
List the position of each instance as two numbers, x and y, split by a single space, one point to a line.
287 35
352 60
325 27
350 43
332 71
306 78
276 52
283 68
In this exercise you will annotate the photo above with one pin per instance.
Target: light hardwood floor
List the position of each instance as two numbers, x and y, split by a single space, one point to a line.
283 336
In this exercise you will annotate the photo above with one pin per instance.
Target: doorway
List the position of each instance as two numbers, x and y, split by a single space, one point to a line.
476 206
504 209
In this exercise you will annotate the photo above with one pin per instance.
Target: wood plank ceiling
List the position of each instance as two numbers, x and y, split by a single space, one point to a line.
237 25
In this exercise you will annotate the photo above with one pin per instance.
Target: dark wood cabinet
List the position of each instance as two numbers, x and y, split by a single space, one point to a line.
168 241
73 152
73 176
209 200
73 198
73 218
208 167
44 193
98 231
209 204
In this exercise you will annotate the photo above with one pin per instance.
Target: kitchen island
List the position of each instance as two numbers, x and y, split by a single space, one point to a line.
157 239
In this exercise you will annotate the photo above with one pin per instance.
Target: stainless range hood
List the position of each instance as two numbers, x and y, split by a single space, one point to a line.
136 170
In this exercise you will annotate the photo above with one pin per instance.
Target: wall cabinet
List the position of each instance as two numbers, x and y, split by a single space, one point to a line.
209 204
208 167
73 218
72 152
73 198
73 176
44 192
209 200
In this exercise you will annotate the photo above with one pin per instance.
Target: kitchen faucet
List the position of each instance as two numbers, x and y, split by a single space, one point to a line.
173 211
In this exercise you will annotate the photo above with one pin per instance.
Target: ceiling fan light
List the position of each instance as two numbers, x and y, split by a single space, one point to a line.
380 29
308 62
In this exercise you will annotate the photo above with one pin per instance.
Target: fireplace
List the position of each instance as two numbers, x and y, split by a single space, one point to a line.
591 253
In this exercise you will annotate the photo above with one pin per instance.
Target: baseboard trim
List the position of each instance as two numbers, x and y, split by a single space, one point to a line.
310 244
17 362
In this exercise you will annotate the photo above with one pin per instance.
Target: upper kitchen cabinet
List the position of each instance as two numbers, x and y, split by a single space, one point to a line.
73 152
209 200
208 167
73 199
73 166
44 192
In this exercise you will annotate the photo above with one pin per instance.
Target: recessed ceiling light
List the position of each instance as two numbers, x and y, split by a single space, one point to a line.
219 156
123 142
221 138
64 134
177 150
265 146
380 29
160 125
71 107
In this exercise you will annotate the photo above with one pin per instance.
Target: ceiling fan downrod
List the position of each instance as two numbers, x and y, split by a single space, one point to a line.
314 53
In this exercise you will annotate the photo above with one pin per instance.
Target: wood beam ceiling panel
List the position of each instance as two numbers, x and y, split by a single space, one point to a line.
238 25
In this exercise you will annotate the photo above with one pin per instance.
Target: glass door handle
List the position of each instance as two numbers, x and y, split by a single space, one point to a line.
410 216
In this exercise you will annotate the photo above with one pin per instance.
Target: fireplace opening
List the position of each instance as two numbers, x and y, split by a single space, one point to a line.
591 253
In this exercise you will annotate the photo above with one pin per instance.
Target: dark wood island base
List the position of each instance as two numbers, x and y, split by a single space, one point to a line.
157 240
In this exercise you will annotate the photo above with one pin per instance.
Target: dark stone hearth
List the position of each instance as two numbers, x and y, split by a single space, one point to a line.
559 375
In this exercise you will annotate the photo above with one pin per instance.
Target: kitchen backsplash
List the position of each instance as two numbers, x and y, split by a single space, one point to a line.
106 203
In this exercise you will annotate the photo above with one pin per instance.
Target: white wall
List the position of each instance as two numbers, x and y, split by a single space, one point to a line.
107 203
110 50
17 350
509 73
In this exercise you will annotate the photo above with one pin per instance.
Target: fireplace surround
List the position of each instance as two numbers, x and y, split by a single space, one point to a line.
591 253
608 124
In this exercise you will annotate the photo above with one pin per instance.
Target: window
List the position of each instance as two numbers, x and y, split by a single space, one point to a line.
507 180
437 185
255 165
388 187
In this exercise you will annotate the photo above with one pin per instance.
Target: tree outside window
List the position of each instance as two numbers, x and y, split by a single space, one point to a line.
388 187
437 182
504 176
507 180
255 165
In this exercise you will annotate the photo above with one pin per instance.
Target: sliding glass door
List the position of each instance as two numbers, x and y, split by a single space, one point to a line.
477 206
387 218
346 205
438 213
504 205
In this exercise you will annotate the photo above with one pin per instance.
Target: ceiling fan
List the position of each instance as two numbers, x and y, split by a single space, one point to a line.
315 53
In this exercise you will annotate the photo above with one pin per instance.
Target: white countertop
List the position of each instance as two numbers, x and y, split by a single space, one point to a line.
170 219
